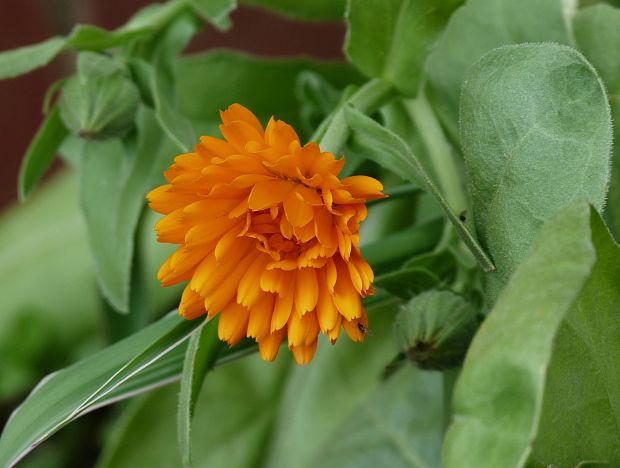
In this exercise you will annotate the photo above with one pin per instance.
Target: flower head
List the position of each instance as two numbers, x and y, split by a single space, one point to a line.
269 236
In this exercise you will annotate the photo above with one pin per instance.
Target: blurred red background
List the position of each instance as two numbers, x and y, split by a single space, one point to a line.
24 22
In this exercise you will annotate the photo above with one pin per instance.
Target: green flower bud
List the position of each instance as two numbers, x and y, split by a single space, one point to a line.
100 101
434 329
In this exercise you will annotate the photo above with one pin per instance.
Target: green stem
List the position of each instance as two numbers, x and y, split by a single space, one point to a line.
370 97
442 157
440 151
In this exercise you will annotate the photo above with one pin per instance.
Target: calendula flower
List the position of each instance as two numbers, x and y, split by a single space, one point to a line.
269 236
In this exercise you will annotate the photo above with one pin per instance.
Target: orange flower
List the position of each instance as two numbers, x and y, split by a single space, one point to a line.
268 236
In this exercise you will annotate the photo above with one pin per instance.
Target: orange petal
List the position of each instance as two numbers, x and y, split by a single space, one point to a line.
233 322
164 201
306 290
302 329
250 284
304 353
266 194
298 212
191 305
360 186
279 135
357 328
238 133
269 345
346 298
238 112
260 316
326 310
335 331
282 311
214 147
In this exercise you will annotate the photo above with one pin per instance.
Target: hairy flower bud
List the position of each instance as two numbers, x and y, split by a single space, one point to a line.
435 328
100 101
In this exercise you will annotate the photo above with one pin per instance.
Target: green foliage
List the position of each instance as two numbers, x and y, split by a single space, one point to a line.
202 351
145 434
65 395
387 149
44 260
99 108
112 204
312 10
216 12
390 39
524 107
26 59
597 31
539 386
434 329
349 376
585 360
213 81
41 152
536 344
477 28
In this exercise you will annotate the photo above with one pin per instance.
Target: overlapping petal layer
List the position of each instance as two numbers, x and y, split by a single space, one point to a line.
269 236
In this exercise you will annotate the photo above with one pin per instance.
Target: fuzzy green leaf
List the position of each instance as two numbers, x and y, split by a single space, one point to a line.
536 135
597 32
477 28
390 39
40 153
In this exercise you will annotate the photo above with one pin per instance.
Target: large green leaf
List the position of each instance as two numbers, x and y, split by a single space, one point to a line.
480 26
25 59
499 395
233 417
536 134
390 39
49 294
390 151
597 32
209 82
41 152
581 404
67 394
114 180
304 9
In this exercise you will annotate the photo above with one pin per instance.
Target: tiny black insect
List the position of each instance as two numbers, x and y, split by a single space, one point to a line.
362 328
463 216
